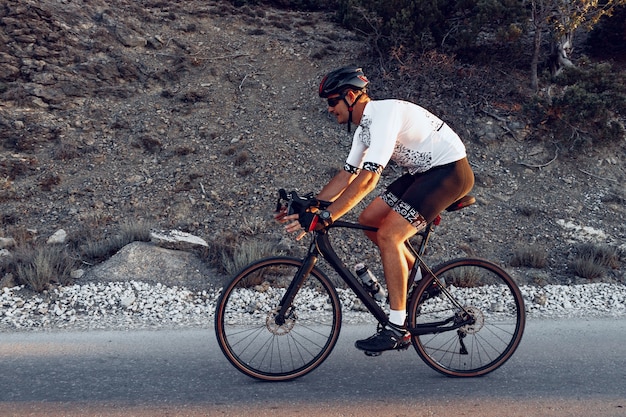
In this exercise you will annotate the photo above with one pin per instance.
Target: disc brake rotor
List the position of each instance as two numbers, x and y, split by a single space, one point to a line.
479 320
280 329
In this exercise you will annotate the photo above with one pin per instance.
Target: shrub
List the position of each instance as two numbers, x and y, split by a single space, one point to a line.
592 261
231 251
604 255
531 257
475 29
302 5
94 251
244 253
39 267
587 268
609 36
466 277
584 105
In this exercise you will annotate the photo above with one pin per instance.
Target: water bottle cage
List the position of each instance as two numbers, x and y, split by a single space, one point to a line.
371 284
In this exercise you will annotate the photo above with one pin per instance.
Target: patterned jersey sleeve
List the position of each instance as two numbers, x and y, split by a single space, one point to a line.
351 169
380 135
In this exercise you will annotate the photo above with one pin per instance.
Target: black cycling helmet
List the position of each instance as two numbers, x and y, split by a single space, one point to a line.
341 79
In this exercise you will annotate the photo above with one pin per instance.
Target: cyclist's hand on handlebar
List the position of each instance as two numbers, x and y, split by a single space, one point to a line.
299 213
309 221
293 224
302 223
280 214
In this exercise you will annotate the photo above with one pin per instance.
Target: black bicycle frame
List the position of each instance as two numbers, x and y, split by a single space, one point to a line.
320 245
323 246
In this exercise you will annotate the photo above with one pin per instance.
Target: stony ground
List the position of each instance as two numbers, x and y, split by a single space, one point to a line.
190 115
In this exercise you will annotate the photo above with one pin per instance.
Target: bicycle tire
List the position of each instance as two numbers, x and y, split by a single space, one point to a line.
259 347
490 296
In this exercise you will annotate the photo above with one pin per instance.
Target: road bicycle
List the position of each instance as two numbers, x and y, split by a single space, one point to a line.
280 317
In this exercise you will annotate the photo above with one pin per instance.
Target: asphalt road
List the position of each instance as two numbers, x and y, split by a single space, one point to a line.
562 368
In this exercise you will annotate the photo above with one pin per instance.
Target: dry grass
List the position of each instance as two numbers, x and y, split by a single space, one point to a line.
94 251
465 277
40 267
231 251
529 258
593 261
246 253
587 268
255 226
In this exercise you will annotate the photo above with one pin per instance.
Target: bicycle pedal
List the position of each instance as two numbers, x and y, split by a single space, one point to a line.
372 354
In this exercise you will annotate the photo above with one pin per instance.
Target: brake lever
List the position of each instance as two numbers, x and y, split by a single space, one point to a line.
294 201
281 208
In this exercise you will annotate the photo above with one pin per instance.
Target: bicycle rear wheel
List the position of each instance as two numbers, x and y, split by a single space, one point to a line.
260 346
480 294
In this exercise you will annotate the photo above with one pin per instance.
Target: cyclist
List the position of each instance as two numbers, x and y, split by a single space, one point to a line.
438 174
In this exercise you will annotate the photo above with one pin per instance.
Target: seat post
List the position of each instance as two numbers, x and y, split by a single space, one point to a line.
425 234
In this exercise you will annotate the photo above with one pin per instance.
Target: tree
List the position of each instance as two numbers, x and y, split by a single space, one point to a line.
562 18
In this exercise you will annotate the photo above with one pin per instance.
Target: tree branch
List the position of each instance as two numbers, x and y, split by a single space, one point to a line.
503 120
597 176
556 154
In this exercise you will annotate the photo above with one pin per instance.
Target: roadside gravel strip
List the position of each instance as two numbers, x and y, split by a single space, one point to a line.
136 305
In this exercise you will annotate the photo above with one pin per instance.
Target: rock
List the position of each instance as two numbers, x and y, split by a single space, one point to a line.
77 273
8 281
129 38
6 242
127 300
541 299
140 261
175 239
58 237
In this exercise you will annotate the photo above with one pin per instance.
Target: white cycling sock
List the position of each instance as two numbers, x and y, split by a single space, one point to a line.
397 317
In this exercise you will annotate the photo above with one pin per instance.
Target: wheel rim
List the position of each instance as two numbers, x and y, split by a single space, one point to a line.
256 343
496 307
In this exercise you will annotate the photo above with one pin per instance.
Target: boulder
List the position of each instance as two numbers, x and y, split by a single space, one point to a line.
146 262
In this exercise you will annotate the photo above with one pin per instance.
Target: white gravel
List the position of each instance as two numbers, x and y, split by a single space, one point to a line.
129 305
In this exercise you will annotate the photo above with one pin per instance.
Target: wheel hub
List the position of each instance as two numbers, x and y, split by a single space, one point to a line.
479 320
280 329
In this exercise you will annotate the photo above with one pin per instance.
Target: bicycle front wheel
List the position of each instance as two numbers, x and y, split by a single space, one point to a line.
261 346
479 313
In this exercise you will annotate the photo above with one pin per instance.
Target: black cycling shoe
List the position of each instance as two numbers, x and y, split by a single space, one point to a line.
385 339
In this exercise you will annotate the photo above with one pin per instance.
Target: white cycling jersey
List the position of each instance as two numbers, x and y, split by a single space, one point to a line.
403 132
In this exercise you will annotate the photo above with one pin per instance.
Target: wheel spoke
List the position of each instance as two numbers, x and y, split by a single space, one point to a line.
252 339
489 296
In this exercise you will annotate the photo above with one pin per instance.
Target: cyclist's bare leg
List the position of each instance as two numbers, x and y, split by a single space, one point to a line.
392 232
373 215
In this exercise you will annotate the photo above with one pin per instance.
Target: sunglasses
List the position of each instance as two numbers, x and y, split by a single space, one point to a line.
332 102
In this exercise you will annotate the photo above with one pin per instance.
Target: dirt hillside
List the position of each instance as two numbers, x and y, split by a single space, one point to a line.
190 115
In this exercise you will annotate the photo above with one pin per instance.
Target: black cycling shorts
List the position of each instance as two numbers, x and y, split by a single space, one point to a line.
426 194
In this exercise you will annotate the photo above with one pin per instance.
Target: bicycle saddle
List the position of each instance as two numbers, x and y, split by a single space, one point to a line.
468 200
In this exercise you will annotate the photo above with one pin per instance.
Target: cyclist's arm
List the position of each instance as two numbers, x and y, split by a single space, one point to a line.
336 186
354 187
355 190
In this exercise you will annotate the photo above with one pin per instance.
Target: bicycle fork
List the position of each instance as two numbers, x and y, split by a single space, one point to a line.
294 287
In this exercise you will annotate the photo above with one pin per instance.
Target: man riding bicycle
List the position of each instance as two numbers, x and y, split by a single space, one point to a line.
438 174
